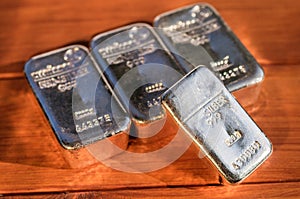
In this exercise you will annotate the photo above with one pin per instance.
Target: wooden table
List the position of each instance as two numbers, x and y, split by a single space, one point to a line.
34 165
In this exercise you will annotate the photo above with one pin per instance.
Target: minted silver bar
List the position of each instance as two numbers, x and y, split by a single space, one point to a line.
197 35
139 68
210 115
76 100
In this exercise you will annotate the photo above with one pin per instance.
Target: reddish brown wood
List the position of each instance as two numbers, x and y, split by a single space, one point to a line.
268 28
269 190
32 161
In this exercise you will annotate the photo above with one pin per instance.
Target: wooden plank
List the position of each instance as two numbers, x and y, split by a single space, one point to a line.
30 27
277 190
31 159
281 190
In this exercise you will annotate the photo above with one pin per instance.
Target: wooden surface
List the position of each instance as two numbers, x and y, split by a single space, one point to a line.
34 165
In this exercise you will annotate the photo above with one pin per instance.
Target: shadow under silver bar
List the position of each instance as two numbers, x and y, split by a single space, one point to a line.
197 35
75 98
210 115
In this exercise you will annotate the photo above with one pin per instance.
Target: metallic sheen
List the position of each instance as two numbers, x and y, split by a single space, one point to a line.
197 35
136 53
60 80
216 122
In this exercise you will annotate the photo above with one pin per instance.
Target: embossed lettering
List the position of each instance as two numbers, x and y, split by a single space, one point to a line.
211 110
246 156
233 138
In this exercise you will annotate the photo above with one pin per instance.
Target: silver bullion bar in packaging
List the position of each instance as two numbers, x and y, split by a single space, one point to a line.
75 98
139 68
197 35
211 116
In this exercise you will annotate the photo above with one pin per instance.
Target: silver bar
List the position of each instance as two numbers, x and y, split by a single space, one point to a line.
197 35
75 98
210 115
138 67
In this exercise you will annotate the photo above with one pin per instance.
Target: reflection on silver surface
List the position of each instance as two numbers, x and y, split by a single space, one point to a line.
75 98
216 122
199 35
137 65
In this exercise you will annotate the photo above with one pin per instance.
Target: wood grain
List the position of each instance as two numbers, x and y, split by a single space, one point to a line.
270 190
268 28
33 164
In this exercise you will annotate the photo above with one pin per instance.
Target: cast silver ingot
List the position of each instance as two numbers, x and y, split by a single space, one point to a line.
200 37
210 115
75 98
139 68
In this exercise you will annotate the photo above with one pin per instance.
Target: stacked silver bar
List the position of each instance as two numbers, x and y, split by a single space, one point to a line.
200 103
191 47
216 122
